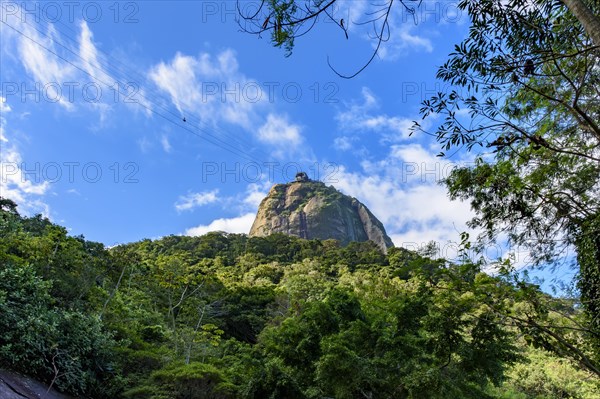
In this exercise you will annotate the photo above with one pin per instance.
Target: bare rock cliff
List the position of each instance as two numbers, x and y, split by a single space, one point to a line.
312 210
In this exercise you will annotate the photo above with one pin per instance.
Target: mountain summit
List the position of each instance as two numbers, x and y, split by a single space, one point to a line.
310 209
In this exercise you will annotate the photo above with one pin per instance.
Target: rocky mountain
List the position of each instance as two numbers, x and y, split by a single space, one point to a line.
310 209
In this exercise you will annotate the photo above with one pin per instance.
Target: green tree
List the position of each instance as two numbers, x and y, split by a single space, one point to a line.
531 91
528 77
172 318
67 349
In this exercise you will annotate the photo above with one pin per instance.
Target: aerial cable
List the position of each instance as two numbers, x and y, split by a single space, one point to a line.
149 89
215 140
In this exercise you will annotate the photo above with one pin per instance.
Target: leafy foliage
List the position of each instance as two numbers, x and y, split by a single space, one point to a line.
227 316
528 75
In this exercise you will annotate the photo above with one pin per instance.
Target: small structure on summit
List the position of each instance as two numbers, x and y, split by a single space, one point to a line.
302 177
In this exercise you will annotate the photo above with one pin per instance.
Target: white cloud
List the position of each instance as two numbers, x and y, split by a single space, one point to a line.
58 69
179 80
239 225
247 204
14 182
37 53
195 200
89 55
354 12
343 143
255 194
166 145
144 144
277 131
363 116
403 191
210 88
402 41
4 109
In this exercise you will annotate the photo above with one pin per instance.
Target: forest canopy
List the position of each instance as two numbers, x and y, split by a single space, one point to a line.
228 316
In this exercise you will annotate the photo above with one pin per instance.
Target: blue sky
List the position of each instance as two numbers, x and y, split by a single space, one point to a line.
94 95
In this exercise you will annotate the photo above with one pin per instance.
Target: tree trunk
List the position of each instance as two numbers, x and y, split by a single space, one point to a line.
114 291
589 21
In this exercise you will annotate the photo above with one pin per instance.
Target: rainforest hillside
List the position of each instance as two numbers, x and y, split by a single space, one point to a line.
228 316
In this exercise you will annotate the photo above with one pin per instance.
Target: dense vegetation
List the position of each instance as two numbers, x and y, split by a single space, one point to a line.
521 94
227 316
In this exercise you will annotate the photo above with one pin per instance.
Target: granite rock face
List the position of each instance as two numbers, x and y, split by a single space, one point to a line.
18 386
310 209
